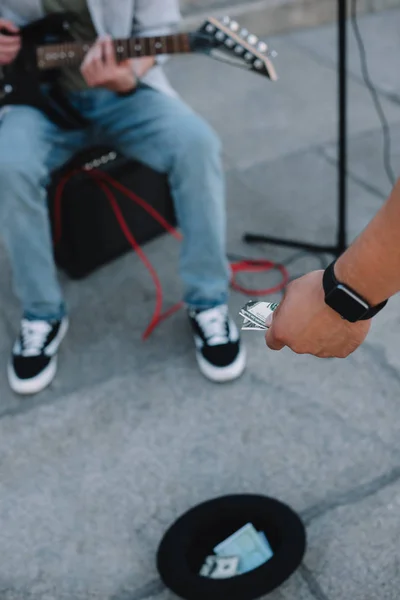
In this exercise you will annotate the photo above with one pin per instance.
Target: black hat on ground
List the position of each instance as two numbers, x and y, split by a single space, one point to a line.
194 535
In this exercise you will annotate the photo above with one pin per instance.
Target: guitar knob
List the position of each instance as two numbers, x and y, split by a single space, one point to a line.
252 39
8 88
262 47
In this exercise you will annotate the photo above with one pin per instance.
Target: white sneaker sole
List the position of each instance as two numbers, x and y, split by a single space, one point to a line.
223 374
27 387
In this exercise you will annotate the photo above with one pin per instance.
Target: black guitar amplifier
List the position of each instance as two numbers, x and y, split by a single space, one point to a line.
91 235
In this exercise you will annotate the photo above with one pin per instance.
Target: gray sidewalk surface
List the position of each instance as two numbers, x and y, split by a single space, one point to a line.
277 16
130 435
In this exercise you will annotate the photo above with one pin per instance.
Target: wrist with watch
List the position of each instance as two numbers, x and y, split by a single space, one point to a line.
348 303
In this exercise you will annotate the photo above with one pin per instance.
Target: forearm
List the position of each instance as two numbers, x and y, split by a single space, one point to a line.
371 265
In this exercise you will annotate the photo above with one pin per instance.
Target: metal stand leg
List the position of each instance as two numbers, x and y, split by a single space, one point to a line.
341 242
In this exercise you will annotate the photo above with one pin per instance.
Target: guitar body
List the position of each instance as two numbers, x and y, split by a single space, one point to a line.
22 83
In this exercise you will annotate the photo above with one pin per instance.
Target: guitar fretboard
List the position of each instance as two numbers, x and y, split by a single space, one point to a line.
53 56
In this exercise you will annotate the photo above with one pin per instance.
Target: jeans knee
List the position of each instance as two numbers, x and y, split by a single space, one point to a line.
196 138
20 184
14 171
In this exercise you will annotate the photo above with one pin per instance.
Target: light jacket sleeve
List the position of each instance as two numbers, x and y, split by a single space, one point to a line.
156 17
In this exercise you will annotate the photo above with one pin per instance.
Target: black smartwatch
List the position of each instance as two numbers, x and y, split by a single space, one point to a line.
345 301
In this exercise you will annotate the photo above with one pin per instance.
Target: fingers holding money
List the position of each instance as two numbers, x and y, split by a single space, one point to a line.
262 316
274 336
273 340
255 314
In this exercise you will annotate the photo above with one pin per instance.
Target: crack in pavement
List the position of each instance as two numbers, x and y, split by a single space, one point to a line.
353 496
312 584
326 61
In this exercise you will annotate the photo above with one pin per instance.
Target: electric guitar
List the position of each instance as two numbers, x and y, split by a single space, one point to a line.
48 46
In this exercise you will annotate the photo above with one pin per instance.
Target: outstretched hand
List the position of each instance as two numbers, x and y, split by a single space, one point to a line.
305 324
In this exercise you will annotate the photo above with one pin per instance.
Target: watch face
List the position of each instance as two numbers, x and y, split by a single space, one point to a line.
348 305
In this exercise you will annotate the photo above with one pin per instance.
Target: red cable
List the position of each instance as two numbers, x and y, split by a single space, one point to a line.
158 316
258 266
104 181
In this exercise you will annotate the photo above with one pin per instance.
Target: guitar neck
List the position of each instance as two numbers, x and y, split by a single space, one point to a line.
52 56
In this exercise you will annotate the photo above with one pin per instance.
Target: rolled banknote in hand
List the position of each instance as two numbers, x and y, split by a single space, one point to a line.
255 315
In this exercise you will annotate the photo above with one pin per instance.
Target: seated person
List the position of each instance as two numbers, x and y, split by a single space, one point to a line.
132 107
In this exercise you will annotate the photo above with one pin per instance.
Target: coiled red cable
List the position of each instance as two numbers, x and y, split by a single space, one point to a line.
105 182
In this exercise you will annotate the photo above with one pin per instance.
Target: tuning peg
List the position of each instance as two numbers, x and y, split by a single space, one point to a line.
262 47
239 49
226 20
248 56
273 53
234 26
220 36
210 28
244 33
252 39
229 43
258 64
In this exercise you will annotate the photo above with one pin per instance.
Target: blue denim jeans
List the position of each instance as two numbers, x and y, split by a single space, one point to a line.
152 127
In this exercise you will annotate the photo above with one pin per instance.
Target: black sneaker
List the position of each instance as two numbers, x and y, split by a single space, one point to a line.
33 363
218 351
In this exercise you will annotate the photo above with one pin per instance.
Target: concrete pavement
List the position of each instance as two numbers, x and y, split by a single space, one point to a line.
276 16
130 435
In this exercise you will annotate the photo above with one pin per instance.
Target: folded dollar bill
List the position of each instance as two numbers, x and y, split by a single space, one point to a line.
249 326
208 566
217 567
255 314
249 546
265 541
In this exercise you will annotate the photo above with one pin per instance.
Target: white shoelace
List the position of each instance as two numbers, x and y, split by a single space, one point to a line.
33 337
213 324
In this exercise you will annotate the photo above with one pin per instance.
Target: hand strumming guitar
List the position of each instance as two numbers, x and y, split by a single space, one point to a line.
10 45
101 69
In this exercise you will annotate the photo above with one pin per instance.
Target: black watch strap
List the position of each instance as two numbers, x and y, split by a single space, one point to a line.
345 301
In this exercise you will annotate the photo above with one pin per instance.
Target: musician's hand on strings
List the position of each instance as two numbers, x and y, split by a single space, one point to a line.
101 68
10 42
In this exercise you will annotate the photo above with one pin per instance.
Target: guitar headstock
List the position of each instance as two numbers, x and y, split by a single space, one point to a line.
227 35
